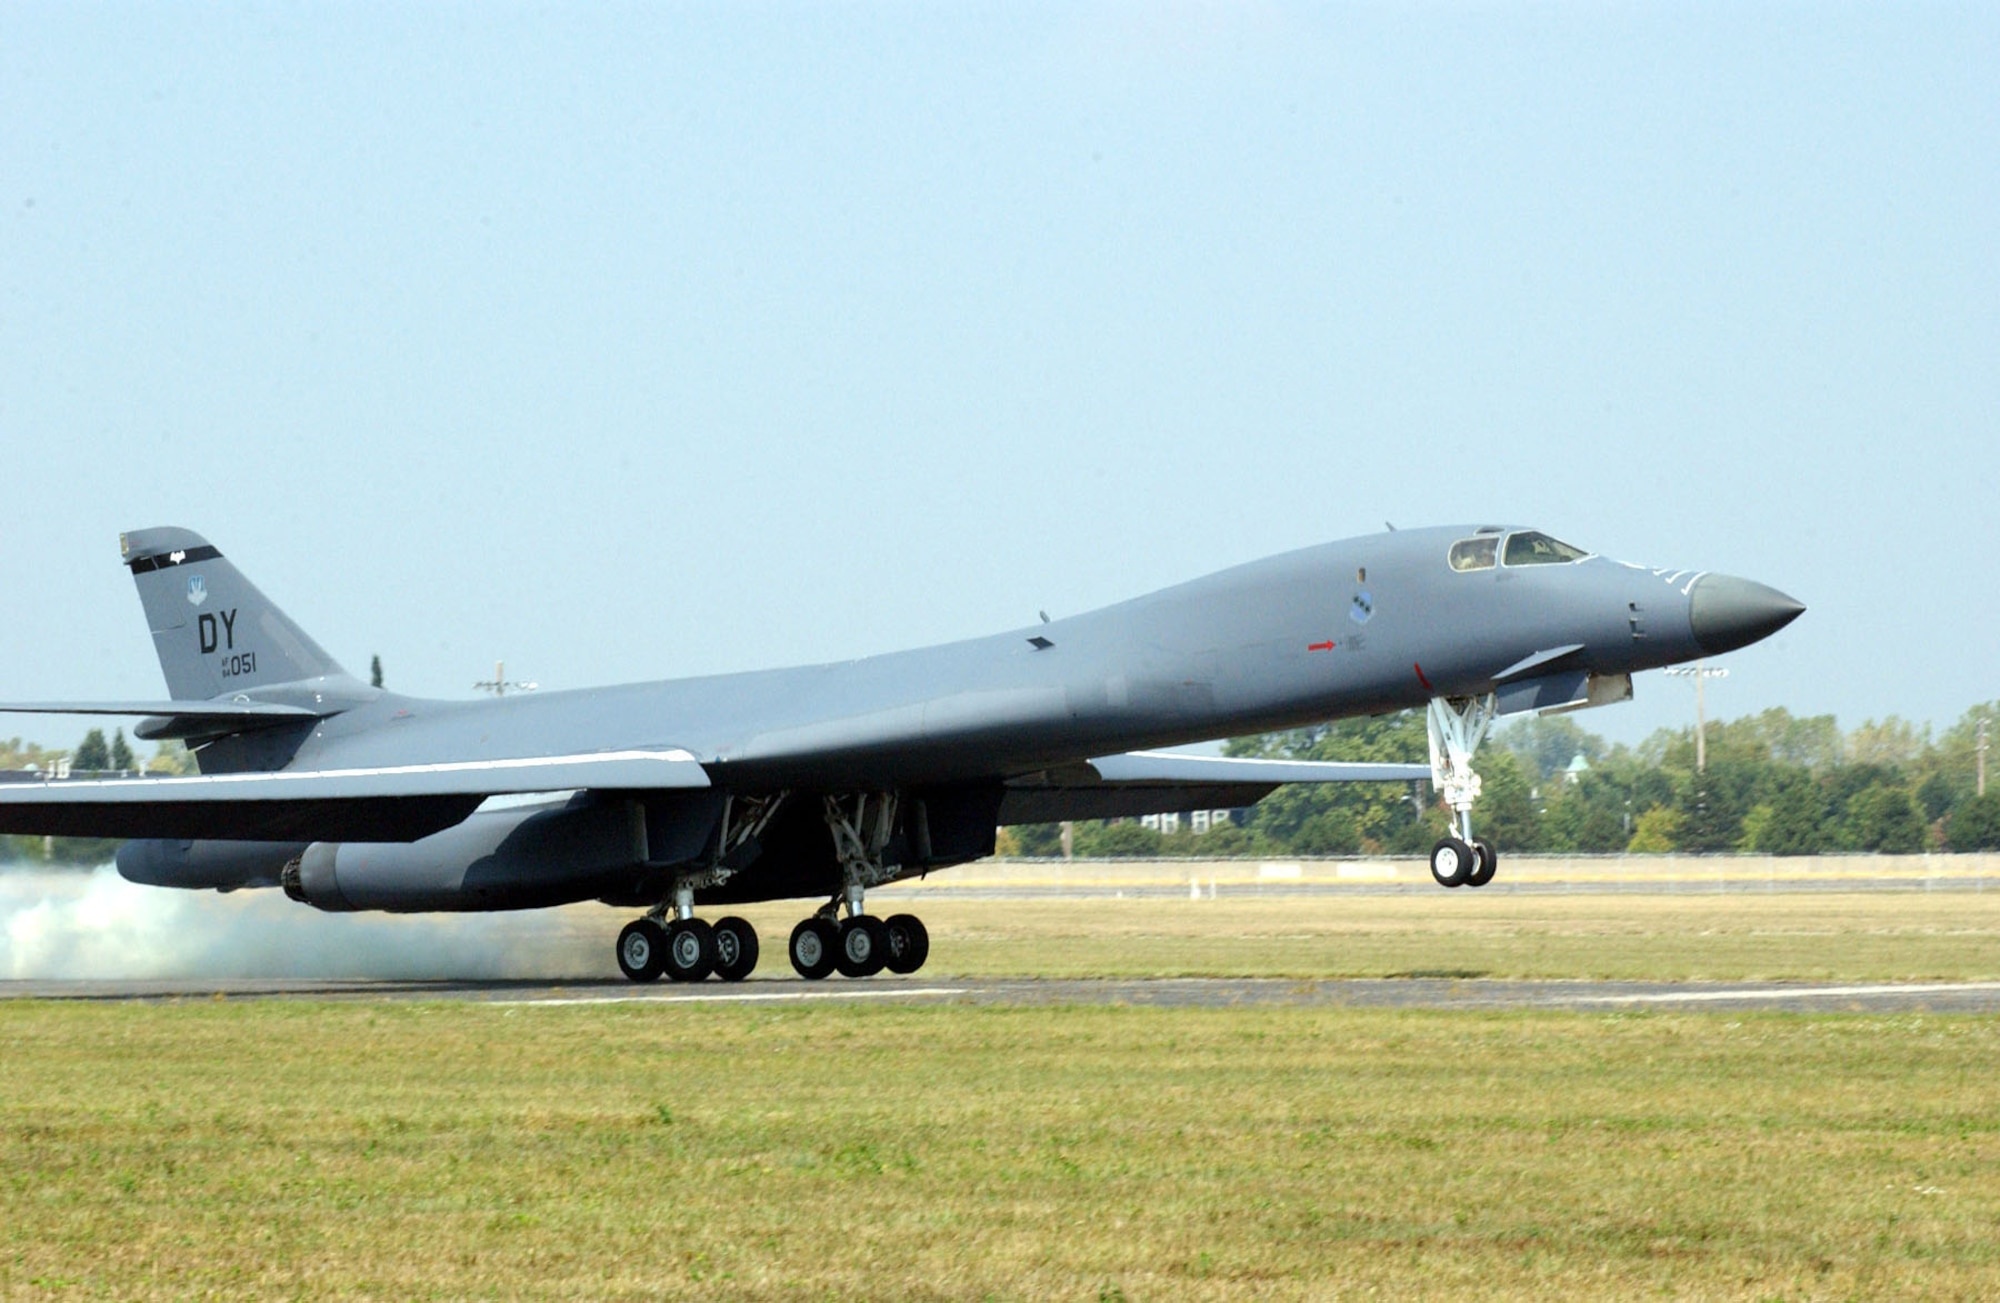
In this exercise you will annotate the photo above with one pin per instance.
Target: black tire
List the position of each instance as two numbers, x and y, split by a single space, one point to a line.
863 947
1451 862
1486 863
909 942
690 952
735 949
812 948
642 950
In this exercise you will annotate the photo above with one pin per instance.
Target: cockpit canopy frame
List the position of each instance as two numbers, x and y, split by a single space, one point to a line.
1522 547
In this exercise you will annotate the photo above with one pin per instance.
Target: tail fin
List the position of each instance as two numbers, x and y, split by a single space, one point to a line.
214 631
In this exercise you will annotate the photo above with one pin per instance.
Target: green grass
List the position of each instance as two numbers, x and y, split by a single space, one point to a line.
426 1150
1815 936
393 1150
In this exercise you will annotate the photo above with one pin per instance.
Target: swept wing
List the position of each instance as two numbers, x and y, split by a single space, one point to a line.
380 803
1165 782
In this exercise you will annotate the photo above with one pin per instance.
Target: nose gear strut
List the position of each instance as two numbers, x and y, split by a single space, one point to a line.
1457 725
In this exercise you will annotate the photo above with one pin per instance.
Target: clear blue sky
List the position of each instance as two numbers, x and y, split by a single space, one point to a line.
633 342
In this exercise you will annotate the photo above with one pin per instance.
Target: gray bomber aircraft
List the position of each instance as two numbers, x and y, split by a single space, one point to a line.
828 780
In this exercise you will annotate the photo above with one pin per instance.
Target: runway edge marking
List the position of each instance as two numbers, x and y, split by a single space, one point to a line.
1786 993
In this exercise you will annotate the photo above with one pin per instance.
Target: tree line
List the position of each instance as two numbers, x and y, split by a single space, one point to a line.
1774 784
95 754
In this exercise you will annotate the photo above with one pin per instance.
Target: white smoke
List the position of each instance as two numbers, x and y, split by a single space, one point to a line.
96 925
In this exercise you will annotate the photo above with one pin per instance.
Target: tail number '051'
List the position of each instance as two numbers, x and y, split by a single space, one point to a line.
240 663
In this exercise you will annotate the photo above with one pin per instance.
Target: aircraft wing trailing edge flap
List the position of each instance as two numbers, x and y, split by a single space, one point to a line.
378 803
1165 782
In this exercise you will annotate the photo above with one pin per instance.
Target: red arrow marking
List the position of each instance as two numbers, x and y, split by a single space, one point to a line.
1420 677
1320 646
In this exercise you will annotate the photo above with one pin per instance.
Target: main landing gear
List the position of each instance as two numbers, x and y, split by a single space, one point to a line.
859 945
687 949
671 941
1457 725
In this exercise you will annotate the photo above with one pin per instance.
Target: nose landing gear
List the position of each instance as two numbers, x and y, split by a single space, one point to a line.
1457 725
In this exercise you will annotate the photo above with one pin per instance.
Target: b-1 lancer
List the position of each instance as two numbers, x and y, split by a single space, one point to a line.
829 780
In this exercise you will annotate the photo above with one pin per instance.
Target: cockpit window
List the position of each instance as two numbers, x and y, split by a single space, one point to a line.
1474 553
1534 548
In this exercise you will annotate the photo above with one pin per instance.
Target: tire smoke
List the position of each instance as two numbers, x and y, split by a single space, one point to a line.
80 926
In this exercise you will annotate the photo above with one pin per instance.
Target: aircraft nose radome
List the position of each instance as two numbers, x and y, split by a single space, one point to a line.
1727 612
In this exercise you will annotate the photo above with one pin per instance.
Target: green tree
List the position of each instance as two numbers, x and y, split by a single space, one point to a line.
1117 840
1505 813
1713 804
1975 824
1038 840
1886 819
1655 830
93 752
1795 816
121 753
1550 742
1893 742
172 757
1937 796
375 671
1330 832
1587 815
1224 841
1383 815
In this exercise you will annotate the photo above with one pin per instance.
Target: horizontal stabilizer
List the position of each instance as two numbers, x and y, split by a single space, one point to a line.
381 803
192 709
165 719
1165 782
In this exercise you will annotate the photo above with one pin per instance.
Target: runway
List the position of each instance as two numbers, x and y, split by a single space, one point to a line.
1433 993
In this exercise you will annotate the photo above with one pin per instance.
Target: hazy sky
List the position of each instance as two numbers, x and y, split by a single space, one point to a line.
634 342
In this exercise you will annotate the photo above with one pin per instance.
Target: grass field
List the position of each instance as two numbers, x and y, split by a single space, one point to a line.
1861 936
237 1149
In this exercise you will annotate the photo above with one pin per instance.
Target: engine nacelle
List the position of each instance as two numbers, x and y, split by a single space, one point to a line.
526 858
223 866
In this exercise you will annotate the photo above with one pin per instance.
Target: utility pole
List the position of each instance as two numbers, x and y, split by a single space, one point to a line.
498 684
1699 671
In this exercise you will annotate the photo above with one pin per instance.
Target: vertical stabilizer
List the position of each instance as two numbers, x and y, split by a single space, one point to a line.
215 633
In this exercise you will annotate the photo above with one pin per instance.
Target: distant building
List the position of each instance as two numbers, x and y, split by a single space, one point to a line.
1199 821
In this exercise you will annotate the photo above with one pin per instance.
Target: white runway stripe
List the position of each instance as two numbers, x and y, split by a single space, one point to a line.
743 997
1787 993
